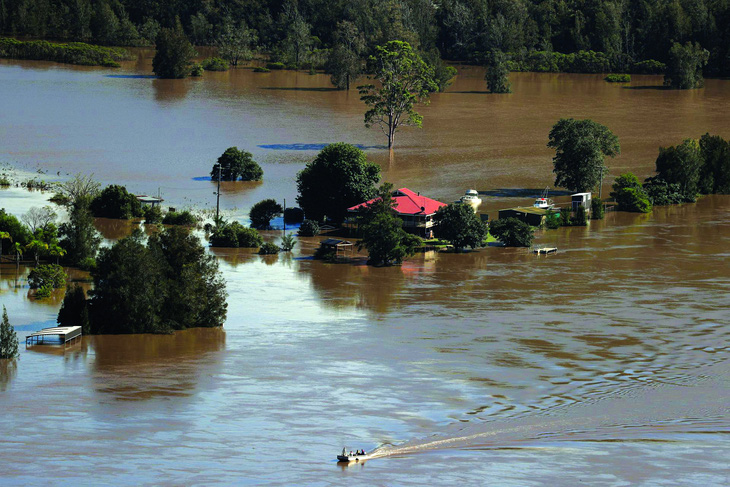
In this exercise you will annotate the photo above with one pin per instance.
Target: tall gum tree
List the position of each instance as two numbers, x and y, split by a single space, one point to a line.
404 80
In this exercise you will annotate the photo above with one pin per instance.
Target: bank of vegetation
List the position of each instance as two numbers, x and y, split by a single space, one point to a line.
69 53
539 35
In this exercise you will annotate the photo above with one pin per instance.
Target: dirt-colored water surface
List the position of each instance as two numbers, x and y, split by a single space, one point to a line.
604 364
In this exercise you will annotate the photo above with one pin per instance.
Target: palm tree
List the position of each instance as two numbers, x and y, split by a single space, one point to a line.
18 249
4 236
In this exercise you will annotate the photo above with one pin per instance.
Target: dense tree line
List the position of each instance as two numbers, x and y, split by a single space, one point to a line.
295 30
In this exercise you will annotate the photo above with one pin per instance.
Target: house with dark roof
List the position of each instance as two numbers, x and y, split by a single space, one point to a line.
415 210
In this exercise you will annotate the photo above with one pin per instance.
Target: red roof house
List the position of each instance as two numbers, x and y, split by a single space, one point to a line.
415 210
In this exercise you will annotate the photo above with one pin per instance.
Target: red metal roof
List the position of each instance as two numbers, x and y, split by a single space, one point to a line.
408 203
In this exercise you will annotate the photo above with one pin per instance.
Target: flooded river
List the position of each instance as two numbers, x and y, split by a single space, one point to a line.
604 364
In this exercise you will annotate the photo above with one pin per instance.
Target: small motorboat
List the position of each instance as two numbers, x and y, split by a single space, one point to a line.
344 457
471 197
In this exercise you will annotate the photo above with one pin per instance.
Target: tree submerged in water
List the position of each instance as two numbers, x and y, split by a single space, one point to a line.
174 55
8 338
497 75
234 165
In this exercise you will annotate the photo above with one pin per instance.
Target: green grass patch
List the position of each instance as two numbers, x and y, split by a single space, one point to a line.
69 53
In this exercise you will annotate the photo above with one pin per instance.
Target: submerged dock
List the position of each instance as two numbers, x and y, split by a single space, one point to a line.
58 334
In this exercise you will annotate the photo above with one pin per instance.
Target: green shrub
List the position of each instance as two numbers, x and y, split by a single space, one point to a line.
8 338
650 66
261 70
618 78
196 70
235 235
288 242
579 219
629 194
662 193
308 228
269 248
214 64
512 232
273 66
4 181
51 275
263 212
180 218
597 209
552 221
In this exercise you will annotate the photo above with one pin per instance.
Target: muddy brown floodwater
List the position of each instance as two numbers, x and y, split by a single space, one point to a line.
604 364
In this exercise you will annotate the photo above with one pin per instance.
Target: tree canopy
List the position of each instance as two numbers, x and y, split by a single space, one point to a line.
512 232
580 150
459 225
8 338
234 165
346 59
630 195
684 69
497 74
263 212
115 201
174 55
169 284
234 234
338 178
404 80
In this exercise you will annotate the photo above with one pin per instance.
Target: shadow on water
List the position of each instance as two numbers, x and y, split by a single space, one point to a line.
313 147
132 76
170 90
648 87
523 192
298 89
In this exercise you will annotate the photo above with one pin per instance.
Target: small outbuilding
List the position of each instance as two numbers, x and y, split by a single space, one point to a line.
339 247
581 199
528 214
148 200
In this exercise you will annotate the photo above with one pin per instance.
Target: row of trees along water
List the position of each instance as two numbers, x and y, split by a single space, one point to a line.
614 35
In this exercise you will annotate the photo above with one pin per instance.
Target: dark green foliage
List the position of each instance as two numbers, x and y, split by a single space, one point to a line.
47 275
293 215
579 218
152 214
263 212
512 232
235 164
460 226
580 149
598 211
556 62
497 75
196 70
338 178
235 235
681 164
75 310
235 43
308 228
661 193
259 69
629 194
553 220
79 237
72 53
174 55
275 66
179 218
214 64
618 78
269 248
386 241
116 202
8 338
684 69
10 224
404 80
715 173
170 284
346 61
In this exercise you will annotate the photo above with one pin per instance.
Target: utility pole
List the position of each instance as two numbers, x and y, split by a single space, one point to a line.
218 196
284 217
600 187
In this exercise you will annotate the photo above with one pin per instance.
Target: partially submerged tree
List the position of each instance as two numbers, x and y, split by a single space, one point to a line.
80 187
581 147
629 194
497 74
338 178
8 338
512 232
235 43
404 80
116 202
345 61
37 218
235 164
681 164
684 69
263 212
459 225
234 234
174 55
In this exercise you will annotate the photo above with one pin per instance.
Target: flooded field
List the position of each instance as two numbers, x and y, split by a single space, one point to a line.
603 364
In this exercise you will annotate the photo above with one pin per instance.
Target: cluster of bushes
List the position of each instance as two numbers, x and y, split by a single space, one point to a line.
184 217
233 234
115 201
260 69
577 62
650 66
275 66
512 232
214 64
566 218
71 53
45 278
618 78
308 228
